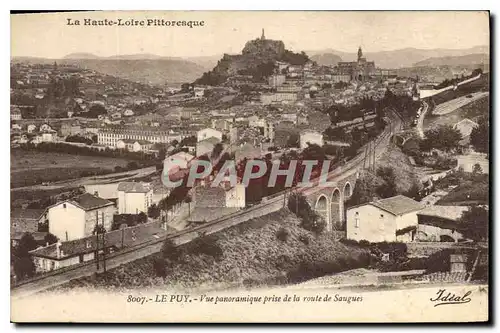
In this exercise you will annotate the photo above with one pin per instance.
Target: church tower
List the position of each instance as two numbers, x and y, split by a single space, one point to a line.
263 37
360 53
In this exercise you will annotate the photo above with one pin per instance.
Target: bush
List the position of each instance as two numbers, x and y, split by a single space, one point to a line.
304 239
347 241
364 243
170 251
159 266
206 245
282 234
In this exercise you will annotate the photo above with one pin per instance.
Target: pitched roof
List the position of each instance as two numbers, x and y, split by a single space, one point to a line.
34 214
133 187
212 140
182 155
142 233
398 205
88 201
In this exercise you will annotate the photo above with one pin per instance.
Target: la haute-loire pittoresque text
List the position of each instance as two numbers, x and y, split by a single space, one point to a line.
152 22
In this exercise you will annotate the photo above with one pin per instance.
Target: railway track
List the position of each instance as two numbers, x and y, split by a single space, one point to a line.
268 205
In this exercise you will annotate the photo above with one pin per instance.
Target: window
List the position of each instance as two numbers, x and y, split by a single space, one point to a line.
356 220
89 244
381 216
64 205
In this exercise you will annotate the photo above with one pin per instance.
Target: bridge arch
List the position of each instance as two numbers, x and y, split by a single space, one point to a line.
337 205
322 207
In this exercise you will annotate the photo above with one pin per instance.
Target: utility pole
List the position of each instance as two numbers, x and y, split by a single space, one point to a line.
97 239
103 244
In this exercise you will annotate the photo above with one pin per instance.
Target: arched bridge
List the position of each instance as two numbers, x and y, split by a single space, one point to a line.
329 201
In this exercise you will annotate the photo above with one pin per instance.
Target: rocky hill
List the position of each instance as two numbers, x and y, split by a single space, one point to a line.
257 59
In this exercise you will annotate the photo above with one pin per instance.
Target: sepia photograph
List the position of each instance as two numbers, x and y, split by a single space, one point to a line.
250 167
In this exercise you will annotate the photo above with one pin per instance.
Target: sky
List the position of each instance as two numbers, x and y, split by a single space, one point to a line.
49 35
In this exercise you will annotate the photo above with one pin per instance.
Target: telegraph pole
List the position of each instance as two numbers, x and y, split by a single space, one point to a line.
103 244
97 239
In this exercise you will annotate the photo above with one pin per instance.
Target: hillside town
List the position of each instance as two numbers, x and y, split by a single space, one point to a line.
407 157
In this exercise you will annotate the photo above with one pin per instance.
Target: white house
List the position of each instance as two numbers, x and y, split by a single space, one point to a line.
467 162
235 196
45 128
134 198
31 128
76 218
128 113
199 92
206 146
391 219
208 133
310 137
134 145
177 162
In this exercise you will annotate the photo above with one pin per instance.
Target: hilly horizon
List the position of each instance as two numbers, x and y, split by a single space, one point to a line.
468 59
156 69
145 68
399 58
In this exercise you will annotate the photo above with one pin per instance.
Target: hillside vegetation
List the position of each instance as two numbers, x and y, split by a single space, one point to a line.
272 249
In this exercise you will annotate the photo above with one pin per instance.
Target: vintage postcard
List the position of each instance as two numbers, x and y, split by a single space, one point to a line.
250 166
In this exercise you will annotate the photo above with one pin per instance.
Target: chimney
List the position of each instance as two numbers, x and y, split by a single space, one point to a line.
58 249
96 193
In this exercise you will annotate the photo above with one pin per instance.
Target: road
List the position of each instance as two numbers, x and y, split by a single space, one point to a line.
420 123
456 103
112 177
270 205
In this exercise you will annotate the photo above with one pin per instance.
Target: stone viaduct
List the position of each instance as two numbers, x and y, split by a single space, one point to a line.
329 202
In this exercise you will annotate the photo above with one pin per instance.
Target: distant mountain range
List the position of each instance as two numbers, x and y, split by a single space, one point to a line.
326 59
469 59
155 69
147 68
407 57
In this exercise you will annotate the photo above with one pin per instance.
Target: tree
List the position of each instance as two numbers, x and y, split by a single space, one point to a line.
132 165
444 137
154 211
293 140
365 189
142 217
388 188
96 110
218 148
170 251
21 259
297 203
477 169
50 239
159 266
479 137
99 229
414 191
475 223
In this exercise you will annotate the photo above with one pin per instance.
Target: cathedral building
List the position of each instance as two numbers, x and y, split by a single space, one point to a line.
358 70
